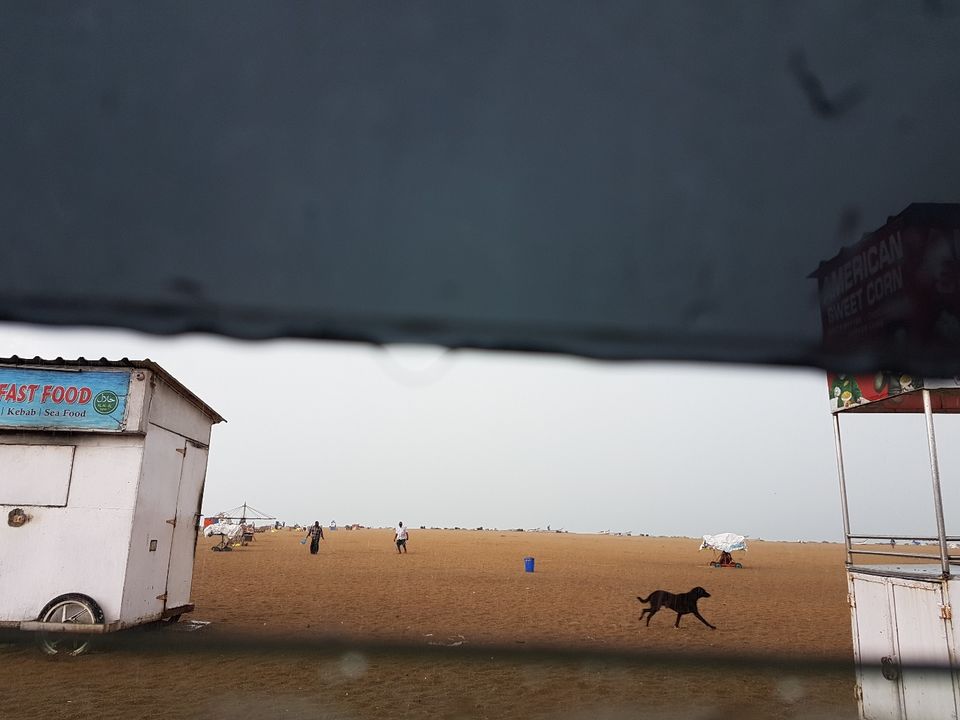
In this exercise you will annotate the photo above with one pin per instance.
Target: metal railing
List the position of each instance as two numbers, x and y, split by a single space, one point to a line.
933 555
941 538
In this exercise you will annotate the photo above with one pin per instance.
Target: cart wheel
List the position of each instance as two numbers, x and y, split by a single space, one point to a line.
216 548
738 565
71 608
173 619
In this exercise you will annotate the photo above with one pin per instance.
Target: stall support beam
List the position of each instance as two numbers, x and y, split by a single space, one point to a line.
843 488
935 473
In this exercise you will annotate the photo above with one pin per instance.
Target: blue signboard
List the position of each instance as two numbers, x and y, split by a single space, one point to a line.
63 400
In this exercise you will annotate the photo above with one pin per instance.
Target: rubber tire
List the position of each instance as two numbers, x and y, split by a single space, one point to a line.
92 607
738 566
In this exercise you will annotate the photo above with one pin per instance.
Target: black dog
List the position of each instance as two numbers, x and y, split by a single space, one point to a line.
681 604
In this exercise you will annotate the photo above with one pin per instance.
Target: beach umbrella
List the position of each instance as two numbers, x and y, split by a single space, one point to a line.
724 542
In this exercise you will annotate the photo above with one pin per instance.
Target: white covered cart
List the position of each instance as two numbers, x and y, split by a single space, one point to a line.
904 638
102 466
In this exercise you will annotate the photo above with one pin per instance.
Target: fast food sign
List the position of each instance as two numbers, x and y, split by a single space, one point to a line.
63 400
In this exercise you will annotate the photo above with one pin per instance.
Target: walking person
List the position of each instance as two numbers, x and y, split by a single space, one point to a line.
315 534
400 537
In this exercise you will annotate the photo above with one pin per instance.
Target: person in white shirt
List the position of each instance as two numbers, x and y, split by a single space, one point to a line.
401 537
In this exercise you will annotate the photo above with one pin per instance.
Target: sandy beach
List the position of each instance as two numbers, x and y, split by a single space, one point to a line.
453 595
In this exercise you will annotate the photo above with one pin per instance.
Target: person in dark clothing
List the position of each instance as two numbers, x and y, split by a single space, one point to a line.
315 534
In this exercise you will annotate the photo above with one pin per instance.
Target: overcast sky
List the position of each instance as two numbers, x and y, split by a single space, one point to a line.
326 431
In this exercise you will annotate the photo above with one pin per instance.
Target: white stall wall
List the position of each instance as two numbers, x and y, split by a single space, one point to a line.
169 410
151 536
874 639
922 637
117 485
903 619
180 574
35 474
81 548
136 420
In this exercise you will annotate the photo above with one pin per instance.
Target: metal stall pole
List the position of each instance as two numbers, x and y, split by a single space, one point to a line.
843 487
935 472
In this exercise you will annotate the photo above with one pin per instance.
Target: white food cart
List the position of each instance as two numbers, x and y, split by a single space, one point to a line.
896 287
901 598
102 466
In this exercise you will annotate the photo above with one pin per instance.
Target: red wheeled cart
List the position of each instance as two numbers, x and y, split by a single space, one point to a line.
725 560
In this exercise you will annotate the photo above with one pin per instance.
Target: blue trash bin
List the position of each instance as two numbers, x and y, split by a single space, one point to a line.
528 564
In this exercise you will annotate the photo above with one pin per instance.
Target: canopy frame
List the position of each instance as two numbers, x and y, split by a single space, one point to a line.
941 537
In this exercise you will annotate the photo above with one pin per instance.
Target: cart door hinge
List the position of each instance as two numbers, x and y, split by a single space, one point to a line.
858 693
172 521
182 451
851 601
162 597
946 612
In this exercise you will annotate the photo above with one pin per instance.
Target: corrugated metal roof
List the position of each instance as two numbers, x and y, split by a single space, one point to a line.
146 364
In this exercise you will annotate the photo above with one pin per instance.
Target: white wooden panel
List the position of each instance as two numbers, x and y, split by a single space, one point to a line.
171 411
180 574
874 640
146 574
59 551
922 637
105 475
35 474
136 399
953 631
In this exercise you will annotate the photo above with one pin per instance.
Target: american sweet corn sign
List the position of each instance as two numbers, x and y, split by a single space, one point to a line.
62 400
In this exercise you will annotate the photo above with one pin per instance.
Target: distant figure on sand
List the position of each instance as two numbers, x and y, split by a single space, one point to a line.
401 537
315 534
